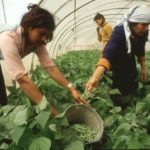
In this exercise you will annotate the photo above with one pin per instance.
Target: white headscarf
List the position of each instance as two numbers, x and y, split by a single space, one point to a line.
136 14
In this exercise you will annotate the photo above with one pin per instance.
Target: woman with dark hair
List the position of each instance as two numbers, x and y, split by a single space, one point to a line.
127 41
35 31
103 29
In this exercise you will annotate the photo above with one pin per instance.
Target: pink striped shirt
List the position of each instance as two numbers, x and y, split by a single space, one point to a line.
12 49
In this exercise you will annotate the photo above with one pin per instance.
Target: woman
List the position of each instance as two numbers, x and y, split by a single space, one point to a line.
103 29
127 41
35 31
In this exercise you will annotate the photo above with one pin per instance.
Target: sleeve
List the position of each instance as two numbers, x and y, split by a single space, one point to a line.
43 57
111 50
12 58
105 63
113 47
108 30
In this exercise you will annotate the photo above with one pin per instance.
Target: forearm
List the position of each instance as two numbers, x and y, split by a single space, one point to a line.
102 66
30 89
92 83
99 71
33 92
56 75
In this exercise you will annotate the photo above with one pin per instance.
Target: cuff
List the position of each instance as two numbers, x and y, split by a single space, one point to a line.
105 63
43 104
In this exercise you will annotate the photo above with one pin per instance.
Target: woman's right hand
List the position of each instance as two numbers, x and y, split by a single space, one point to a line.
91 85
98 28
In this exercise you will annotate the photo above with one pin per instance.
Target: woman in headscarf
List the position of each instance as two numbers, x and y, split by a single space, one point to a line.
35 31
127 41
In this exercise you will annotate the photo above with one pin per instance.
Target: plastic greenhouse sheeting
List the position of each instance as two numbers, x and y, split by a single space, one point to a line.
74 20
75 28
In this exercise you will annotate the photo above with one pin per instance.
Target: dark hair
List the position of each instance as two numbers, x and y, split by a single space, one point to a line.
99 16
132 25
38 17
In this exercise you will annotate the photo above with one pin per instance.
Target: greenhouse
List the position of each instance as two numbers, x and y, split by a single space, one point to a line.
74 74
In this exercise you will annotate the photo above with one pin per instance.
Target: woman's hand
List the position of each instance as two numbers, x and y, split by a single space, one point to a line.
98 28
143 74
91 85
78 98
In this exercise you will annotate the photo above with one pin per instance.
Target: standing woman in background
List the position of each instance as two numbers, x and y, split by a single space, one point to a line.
103 29
35 31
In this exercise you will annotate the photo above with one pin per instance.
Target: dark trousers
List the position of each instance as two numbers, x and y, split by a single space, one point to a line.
3 95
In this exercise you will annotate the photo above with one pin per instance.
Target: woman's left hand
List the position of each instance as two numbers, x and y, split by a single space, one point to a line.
78 98
143 74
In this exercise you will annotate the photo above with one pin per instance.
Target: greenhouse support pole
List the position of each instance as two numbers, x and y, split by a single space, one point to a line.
3 5
75 22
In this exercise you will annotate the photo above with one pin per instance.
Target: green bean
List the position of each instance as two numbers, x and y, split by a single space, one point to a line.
84 132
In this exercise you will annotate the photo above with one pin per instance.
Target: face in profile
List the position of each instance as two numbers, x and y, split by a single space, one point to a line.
140 28
39 36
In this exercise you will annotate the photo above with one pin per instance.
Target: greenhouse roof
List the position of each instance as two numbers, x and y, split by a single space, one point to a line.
74 19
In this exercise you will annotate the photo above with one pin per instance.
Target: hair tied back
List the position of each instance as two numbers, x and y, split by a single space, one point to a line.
32 6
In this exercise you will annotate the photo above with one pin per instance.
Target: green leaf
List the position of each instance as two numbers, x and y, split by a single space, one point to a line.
145 139
130 117
21 116
114 91
4 146
135 144
64 122
147 97
53 127
40 143
140 85
75 145
119 144
17 133
3 132
43 117
58 136
122 129
87 95
109 81
6 109
139 107
109 121
115 110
